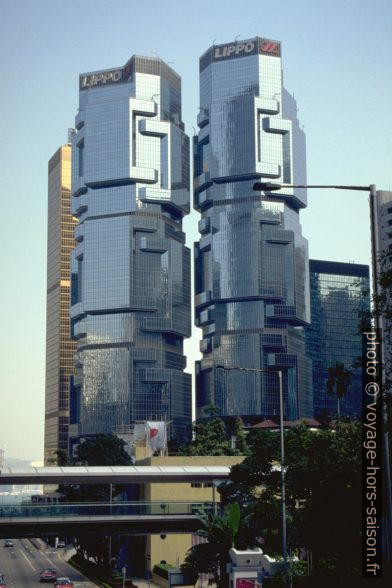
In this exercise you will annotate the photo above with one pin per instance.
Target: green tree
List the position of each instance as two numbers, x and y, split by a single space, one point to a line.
102 450
209 438
99 450
60 458
220 533
322 493
213 436
239 435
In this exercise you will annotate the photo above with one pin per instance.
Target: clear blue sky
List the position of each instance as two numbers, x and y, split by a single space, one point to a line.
336 60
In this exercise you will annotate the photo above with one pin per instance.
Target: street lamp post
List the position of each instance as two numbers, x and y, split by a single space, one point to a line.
282 457
371 189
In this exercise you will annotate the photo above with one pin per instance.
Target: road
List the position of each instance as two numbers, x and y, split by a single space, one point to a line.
22 564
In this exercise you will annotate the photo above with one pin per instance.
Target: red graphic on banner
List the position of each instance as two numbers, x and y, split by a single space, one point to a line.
153 433
270 47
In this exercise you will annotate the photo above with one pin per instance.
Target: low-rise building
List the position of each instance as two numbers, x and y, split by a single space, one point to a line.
172 548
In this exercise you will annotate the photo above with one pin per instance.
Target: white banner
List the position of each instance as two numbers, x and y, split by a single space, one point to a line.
156 435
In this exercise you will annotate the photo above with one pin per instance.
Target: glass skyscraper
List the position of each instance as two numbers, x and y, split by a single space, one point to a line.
252 287
59 346
130 269
340 299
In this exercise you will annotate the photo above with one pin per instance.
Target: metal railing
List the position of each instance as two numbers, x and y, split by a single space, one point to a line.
104 509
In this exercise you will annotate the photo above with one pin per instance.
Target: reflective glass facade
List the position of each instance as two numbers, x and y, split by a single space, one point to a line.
59 346
251 262
130 269
339 297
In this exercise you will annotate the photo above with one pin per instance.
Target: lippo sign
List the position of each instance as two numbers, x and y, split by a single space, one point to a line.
100 78
234 50
242 49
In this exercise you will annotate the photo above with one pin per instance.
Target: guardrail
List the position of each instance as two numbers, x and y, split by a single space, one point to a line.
104 509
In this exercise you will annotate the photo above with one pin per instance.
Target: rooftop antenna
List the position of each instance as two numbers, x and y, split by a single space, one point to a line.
213 42
236 37
71 134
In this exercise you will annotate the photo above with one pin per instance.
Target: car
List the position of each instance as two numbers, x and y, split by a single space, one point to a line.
63 583
8 543
60 543
48 575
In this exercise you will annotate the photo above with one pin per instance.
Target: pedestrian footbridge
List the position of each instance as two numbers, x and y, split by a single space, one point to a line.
128 518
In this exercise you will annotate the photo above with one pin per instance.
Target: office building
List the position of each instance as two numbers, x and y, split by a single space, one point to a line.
59 346
130 269
251 262
340 300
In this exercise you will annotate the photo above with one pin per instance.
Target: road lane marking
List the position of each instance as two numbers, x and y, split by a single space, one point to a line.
46 557
28 561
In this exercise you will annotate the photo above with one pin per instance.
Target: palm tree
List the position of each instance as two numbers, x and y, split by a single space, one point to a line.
221 533
339 379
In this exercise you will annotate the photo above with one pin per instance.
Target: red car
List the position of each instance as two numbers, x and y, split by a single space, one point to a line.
63 583
48 575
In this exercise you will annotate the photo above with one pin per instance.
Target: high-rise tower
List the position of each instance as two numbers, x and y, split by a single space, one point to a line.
131 270
340 303
59 346
252 286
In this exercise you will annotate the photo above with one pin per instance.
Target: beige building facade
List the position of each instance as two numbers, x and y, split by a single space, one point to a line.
172 548
59 346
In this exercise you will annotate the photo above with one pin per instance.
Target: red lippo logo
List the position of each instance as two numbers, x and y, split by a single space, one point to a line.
270 48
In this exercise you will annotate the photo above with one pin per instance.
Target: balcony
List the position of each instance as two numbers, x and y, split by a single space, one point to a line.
79 329
205 242
202 181
204 225
79 120
205 345
79 204
281 360
267 106
268 170
154 128
78 252
147 175
203 118
158 194
78 186
76 310
79 232
155 375
153 244
203 298
276 125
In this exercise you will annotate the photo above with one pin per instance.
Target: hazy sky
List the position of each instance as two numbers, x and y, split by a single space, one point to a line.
336 61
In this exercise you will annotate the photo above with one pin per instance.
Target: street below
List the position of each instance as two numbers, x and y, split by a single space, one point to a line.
22 564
